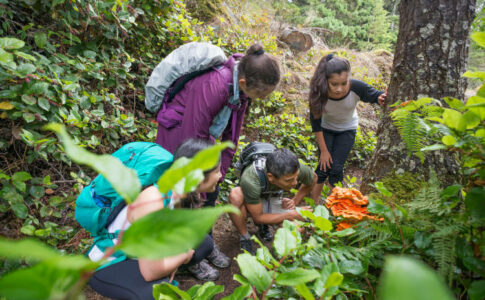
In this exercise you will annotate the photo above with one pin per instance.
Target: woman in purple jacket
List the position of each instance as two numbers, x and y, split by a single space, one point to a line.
192 110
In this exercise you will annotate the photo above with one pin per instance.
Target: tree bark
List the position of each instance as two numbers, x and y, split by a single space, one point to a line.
430 57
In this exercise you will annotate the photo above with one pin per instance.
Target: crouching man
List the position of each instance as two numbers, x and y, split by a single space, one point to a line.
260 192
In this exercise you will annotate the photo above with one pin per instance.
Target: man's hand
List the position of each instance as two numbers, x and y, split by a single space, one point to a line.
288 204
382 98
189 254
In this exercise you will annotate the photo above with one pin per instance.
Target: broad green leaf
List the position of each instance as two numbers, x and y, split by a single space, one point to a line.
382 189
321 211
208 291
37 191
124 180
327 270
472 120
480 133
479 111
203 160
470 74
168 291
27 229
304 291
11 43
44 104
19 209
455 103
6 105
422 240
335 279
475 203
479 38
24 55
284 242
168 232
40 39
29 100
297 276
405 278
477 290
448 140
37 251
323 224
351 266
5 57
28 117
454 119
239 293
252 269
24 69
193 290
39 282
306 213
21 176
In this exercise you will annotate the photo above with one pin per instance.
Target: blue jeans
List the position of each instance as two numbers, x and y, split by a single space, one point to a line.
339 145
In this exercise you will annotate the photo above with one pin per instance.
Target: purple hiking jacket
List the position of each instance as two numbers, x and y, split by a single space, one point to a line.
191 111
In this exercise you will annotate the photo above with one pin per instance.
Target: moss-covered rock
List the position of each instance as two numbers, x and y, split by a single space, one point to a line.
403 187
205 9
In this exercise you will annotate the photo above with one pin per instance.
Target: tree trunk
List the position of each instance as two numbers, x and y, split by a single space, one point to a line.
297 39
430 57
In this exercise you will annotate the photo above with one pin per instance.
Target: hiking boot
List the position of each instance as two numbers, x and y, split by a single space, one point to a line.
264 233
219 259
203 271
246 245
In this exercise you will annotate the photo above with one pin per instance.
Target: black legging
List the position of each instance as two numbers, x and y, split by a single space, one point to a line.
339 145
123 280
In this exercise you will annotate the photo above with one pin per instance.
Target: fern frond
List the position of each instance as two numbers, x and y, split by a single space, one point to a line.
427 200
412 130
444 254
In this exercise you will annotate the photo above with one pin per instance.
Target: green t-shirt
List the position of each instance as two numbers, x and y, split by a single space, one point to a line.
251 186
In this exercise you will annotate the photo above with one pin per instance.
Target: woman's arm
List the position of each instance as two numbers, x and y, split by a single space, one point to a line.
148 201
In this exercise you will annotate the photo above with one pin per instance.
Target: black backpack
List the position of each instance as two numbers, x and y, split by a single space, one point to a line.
255 153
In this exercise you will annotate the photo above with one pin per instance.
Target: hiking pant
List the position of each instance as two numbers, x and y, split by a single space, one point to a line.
123 280
339 145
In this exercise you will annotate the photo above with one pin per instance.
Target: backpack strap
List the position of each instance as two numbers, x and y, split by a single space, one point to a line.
259 165
180 83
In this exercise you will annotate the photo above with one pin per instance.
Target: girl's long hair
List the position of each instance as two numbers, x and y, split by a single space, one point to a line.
318 95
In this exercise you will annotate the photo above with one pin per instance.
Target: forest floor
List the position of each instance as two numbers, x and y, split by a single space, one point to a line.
227 238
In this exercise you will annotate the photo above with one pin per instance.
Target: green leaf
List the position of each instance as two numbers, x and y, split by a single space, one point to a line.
323 224
5 57
306 213
476 100
24 69
284 242
351 266
321 211
470 74
297 276
477 290
454 119
37 191
167 291
18 206
39 282
327 270
475 203
472 120
27 229
29 100
38 88
239 293
11 43
208 291
123 179
479 38
252 269
44 104
171 231
21 176
203 160
480 133
304 291
335 279
405 278
24 55
40 39
448 140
